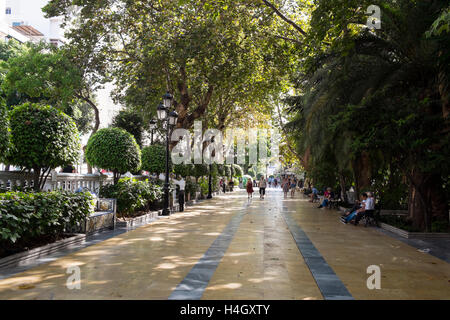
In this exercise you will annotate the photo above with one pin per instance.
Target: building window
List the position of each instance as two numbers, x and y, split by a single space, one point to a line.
8 11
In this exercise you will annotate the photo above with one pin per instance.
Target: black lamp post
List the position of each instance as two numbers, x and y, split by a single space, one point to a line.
170 118
210 176
153 124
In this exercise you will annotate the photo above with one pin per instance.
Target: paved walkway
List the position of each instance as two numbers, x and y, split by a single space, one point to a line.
228 248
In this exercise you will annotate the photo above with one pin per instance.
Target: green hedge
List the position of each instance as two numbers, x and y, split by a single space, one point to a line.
132 195
26 216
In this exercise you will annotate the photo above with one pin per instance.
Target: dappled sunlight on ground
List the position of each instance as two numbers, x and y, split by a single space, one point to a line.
262 260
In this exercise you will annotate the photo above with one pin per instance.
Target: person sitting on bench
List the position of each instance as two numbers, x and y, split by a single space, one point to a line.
369 208
314 194
354 214
328 195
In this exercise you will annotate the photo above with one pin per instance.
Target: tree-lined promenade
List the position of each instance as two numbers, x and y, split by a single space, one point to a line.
359 91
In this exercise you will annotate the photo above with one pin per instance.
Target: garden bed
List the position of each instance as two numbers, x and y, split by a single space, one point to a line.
40 247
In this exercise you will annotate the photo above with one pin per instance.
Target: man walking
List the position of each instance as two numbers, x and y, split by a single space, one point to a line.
182 184
262 188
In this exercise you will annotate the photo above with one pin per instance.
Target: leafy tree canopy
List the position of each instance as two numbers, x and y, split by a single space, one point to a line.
154 159
114 149
42 138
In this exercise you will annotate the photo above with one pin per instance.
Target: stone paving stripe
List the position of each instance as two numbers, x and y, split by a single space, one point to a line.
194 284
328 282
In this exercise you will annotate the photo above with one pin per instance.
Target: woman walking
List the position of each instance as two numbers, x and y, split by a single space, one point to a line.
293 186
286 185
250 188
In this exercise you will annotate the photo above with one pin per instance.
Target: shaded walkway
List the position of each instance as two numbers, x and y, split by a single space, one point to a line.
254 256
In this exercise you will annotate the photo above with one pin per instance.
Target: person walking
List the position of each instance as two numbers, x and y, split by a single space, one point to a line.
262 188
182 184
250 188
285 185
293 186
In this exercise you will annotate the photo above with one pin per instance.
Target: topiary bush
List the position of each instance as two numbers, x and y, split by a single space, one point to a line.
237 171
115 150
204 185
183 170
227 170
132 195
27 216
252 172
4 132
154 159
191 188
200 170
42 138
221 169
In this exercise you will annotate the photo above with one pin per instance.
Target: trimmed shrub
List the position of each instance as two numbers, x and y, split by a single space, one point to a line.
132 195
252 172
237 171
204 185
183 170
221 169
27 216
191 188
4 132
115 150
42 138
227 170
154 159
200 170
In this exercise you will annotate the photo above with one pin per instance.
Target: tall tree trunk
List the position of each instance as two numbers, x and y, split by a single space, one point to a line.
362 172
36 179
427 200
343 187
96 117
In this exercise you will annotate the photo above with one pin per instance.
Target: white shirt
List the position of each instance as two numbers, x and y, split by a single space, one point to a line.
181 183
370 204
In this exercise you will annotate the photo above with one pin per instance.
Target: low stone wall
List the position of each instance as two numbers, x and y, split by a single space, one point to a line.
414 235
384 212
99 221
33 254
138 220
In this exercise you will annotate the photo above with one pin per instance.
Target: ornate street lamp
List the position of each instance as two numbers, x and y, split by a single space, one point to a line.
153 125
170 119
210 176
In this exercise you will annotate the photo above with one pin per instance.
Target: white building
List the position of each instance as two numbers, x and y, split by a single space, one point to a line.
24 21
26 17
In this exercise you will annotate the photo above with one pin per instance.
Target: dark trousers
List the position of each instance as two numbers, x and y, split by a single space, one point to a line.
181 200
367 213
262 191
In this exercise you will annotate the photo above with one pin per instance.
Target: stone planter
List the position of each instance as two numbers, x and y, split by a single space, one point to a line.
36 253
414 235
138 220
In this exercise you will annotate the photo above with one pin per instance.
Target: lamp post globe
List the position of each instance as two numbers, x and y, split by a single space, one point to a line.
173 118
168 98
161 112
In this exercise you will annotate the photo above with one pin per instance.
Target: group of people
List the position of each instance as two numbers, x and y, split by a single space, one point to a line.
223 185
366 206
289 184
262 188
